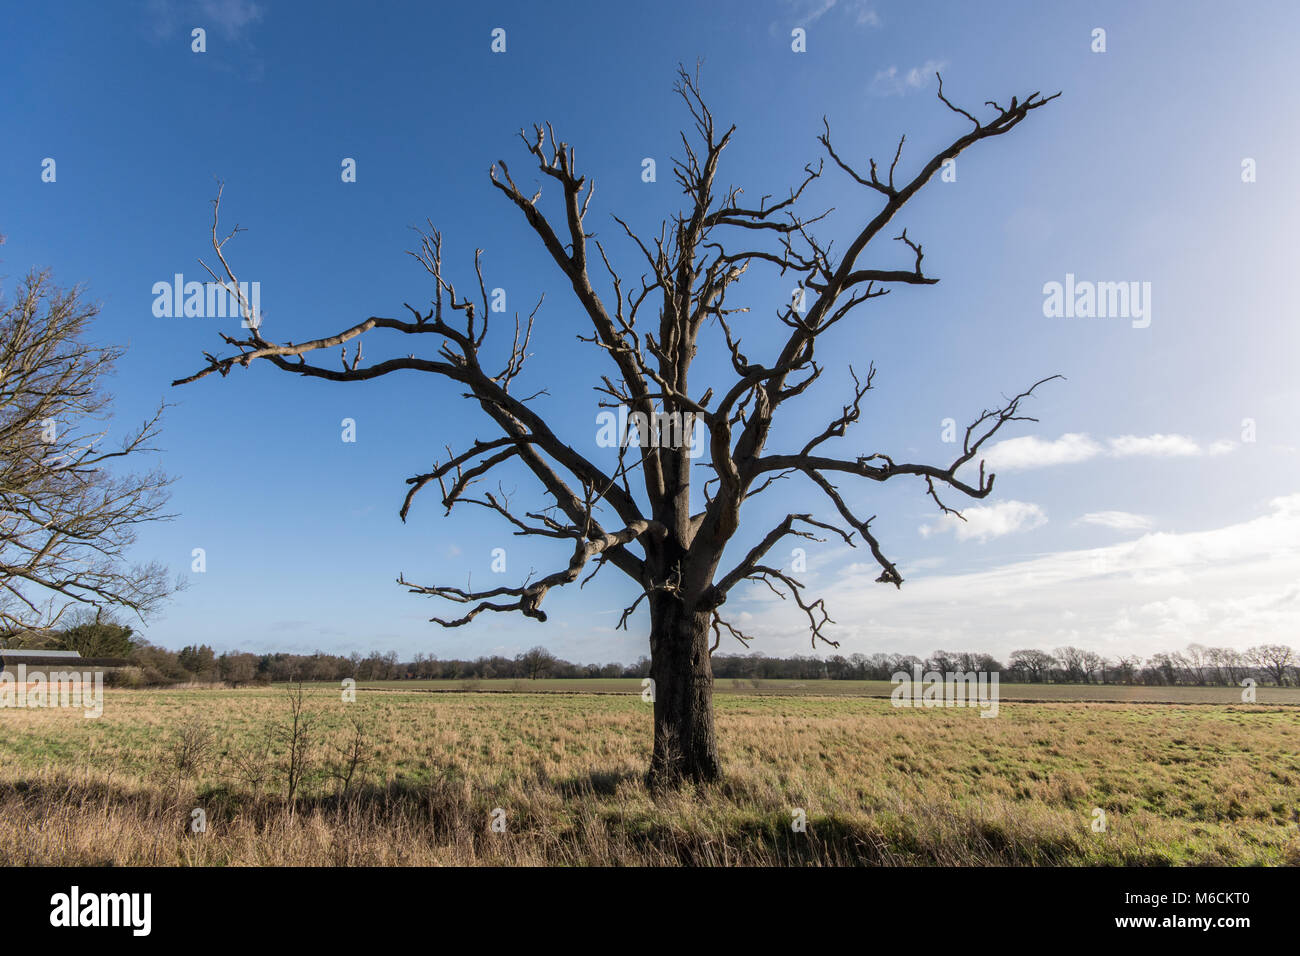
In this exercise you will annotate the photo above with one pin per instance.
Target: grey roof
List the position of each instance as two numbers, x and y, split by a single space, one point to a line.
20 655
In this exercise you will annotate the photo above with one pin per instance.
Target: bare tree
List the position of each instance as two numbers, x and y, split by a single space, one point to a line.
1197 661
1095 667
649 330
1165 668
1228 663
1127 668
1036 665
299 739
67 521
1073 663
944 662
1273 659
191 746
355 754
536 662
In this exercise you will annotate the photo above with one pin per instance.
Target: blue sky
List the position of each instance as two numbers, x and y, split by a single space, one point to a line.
1133 516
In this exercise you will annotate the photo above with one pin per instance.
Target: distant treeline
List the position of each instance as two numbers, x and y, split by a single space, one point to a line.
1198 665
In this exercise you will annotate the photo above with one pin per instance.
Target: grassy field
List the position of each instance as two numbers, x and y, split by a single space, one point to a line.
851 688
1179 784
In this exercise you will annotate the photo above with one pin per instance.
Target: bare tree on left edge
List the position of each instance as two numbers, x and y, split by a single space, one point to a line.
68 516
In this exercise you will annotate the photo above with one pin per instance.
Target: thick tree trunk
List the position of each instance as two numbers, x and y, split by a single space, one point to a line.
685 748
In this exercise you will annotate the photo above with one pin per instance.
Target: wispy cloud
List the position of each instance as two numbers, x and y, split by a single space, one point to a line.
892 81
1018 454
807 12
229 18
983 522
813 11
1119 520
864 14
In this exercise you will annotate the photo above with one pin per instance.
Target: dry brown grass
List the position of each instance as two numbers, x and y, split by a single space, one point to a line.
878 785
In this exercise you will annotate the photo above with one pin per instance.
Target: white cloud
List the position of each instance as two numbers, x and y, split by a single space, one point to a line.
1018 454
1232 586
894 82
989 521
1034 452
1119 520
1154 446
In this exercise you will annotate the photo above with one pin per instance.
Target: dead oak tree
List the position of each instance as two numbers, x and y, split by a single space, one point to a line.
649 332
